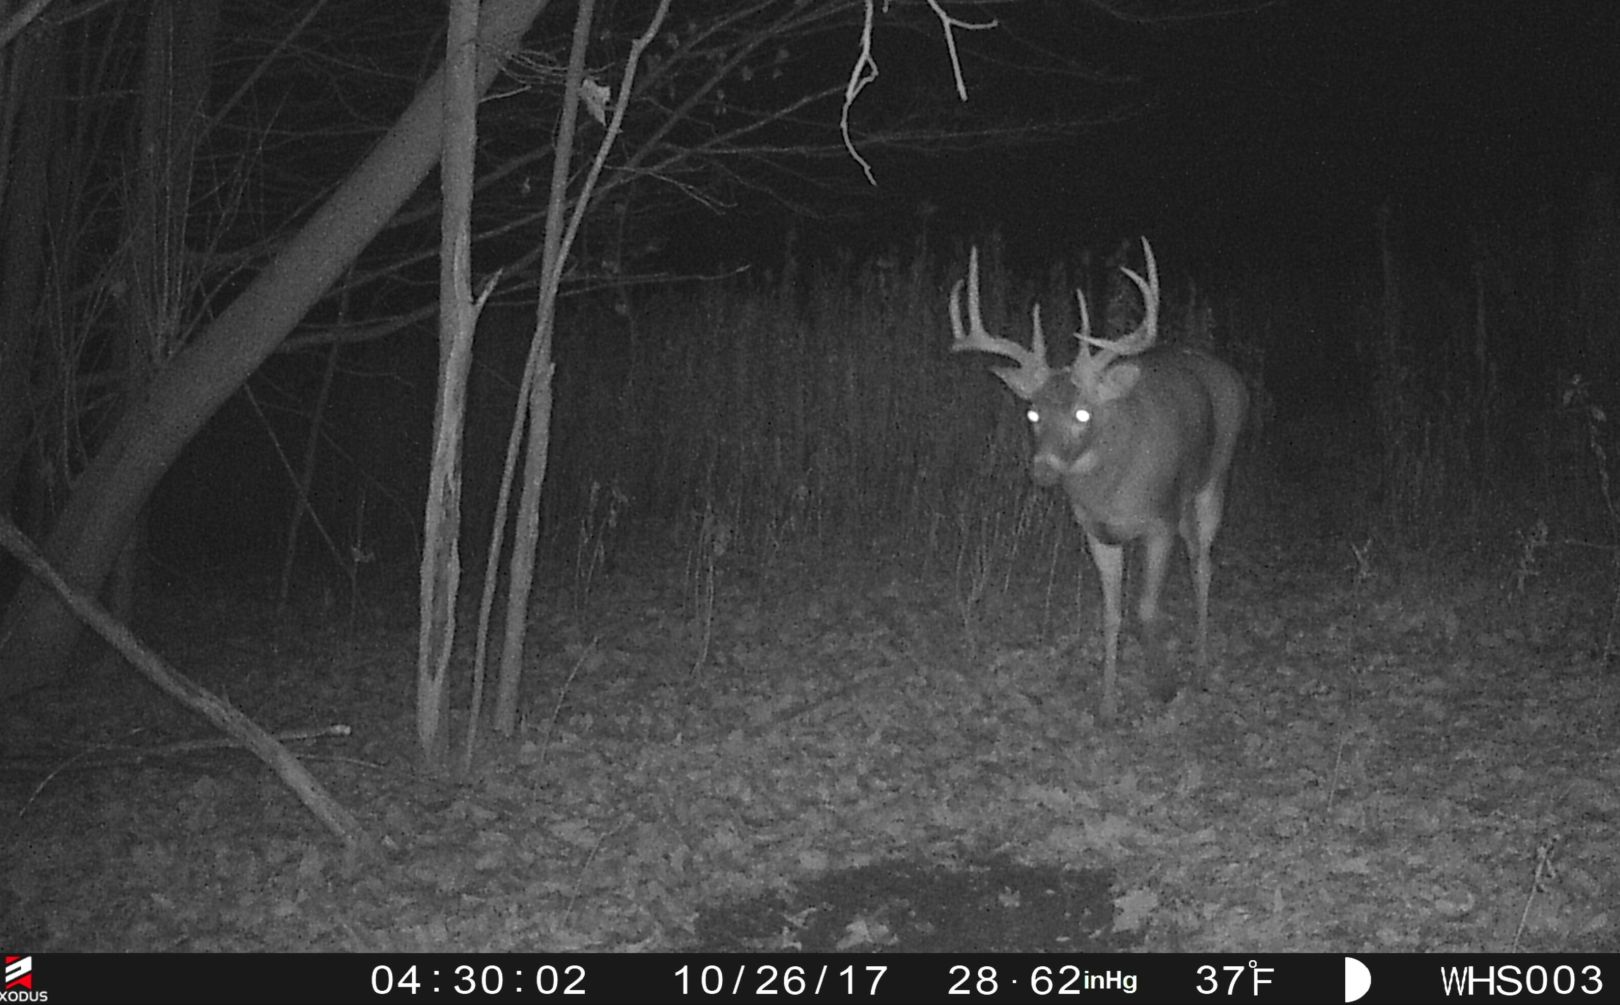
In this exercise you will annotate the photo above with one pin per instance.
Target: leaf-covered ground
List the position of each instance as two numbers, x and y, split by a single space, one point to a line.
1397 754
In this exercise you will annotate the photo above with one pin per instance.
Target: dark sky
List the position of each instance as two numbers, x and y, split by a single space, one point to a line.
1442 106
1285 128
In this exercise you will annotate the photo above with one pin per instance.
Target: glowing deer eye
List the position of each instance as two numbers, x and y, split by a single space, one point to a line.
1032 415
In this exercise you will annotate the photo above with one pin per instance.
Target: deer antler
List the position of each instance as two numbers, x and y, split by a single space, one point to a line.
1089 365
1032 370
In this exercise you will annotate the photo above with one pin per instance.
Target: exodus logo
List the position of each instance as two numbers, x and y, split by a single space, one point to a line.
19 981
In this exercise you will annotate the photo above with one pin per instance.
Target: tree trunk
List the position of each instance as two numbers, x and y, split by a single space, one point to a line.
39 631
35 66
440 576
538 368
173 111
526 537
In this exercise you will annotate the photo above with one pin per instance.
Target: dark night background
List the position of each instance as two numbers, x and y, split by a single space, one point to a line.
1255 144
811 663
1286 126
1266 140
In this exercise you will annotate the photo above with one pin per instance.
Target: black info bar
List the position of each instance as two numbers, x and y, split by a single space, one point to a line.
1300 979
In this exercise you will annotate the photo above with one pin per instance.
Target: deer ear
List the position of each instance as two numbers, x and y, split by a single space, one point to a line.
1117 381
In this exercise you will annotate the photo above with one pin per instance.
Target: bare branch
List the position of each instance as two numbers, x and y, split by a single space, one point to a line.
626 88
862 73
947 22
14 24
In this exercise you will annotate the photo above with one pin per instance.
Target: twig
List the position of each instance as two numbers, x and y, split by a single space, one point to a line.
1546 870
562 696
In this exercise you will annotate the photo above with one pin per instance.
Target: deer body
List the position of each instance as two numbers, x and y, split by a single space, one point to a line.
1141 438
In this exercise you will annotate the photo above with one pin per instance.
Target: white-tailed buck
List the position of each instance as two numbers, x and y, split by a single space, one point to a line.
1141 438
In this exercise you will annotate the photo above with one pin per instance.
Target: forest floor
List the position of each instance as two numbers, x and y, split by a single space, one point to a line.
842 751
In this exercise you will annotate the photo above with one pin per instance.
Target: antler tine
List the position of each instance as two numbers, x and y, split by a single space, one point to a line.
1147 332
1032 370
1086 365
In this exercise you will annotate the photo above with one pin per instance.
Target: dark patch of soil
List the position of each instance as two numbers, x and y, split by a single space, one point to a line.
989 905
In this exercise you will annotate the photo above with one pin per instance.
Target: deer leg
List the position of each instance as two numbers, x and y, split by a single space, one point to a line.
1110 559
1156 550
1206 520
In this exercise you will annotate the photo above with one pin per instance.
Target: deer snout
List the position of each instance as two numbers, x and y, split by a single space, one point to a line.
1046 469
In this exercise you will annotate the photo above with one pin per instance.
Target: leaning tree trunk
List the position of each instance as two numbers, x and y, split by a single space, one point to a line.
173 110
39 631
215 709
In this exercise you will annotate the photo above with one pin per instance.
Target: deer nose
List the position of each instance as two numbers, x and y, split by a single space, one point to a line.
1046 470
